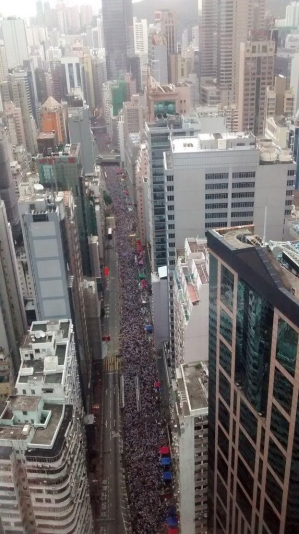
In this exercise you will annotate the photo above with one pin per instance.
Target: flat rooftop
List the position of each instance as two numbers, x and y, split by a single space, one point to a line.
281 258
208 141
192 380
72 150
44 436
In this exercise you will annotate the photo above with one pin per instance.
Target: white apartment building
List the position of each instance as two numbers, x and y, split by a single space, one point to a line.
24 275
191 302
292 15
190 445
134 115
157 56
73 72
140 36
43 477
15 41
3 64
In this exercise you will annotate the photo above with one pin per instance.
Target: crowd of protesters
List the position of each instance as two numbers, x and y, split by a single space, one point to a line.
144 430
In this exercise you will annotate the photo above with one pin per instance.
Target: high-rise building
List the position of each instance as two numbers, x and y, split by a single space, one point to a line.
3 64
101 41
134 115
80 132
43 80
44 484
190 445
223 26
62 171
72 72
157 56
13 324
14 123
51 244
292 15
57 70
166 21
86 16
253 396
99 69
256 73
191 302
88 84
52 119
117 19
22 99
73 19
7 191
15 41
140 36
280 99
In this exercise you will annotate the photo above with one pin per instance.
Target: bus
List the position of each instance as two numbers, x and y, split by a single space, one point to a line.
109 233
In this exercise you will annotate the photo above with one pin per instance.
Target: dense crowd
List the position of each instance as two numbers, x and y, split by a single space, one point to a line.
144 431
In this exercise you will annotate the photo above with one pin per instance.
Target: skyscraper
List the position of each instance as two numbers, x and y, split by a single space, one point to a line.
43 476
166 22
80 132
15 41
13 324
7 192
117 21
253 391
223 25
256 73
52 119
51 243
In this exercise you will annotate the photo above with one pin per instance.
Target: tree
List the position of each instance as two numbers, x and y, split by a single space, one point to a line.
107 199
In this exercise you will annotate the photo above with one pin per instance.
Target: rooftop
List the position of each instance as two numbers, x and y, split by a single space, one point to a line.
44 436
192 381
72 150
215 141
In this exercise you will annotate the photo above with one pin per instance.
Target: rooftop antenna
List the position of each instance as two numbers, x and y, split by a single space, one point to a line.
265 224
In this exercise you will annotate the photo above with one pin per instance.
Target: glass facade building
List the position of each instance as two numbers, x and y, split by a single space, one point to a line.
117 21
253 387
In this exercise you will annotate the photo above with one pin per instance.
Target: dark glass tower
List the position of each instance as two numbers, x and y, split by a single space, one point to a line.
117 24
253 384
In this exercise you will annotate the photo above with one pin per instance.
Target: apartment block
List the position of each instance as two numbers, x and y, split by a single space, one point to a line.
280 99
191 302
166 22
44 486
256 74
190 445
15 41
52 248
52 119
253 391
80 132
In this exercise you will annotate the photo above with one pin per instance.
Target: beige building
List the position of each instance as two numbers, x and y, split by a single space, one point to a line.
141 178
86 61
256 74
169 99
134 116
223 27
166 21
178 68
3 64
280 99
14 124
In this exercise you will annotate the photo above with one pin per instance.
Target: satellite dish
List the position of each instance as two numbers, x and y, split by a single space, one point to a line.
37 335
42 334
38 187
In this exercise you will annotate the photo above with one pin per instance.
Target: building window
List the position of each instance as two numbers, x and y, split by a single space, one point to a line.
291 172
170 188
235 214
226 326
288 202
283 390
169 179
227 287
216 225
243 185
216 186
219 205
290 193
171 227
171 262
286 347
217 176
171 236
290 182
170 208
245 194
288 212
243 174
170 198
242 204
170 217
172 245
172 253
279 426
216 215
216 196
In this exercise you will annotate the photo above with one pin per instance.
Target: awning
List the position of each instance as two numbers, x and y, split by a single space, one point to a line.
165 461
167 475
164 450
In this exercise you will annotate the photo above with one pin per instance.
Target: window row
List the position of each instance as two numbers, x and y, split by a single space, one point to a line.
218 205
216 215
242 214
244 194
215 196
242 204
243 185
217 176
243 174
